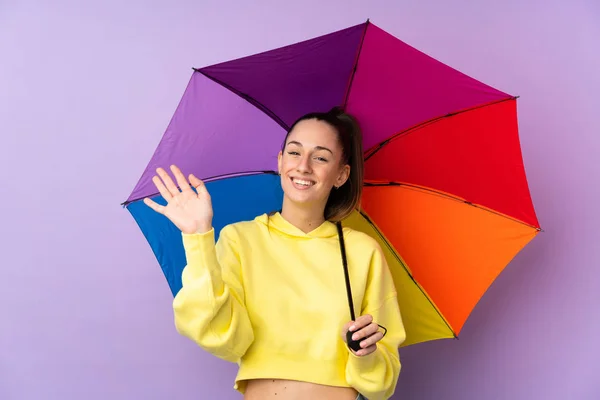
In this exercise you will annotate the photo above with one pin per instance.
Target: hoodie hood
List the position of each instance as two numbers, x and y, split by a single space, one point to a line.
276 222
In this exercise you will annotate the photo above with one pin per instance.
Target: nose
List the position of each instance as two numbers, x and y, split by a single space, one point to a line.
304 166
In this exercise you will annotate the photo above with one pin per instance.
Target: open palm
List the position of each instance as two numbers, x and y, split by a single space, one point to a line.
191 212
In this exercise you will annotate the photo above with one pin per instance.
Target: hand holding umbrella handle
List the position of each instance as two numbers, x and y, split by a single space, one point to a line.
368 332
353 344
191 211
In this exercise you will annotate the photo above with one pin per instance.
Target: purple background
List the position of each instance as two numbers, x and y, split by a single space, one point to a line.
86 92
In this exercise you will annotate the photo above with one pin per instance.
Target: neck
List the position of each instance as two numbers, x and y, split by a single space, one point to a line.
304 218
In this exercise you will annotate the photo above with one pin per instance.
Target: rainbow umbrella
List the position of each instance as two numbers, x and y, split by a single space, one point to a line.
445 195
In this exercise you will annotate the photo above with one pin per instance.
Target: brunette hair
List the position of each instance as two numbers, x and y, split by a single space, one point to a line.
343 200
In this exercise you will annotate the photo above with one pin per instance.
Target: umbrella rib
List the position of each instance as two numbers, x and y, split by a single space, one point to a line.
213 179
360 46
450 197
248 98
393 251
373 150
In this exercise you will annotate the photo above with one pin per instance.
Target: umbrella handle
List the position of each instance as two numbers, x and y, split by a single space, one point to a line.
346 275
353 344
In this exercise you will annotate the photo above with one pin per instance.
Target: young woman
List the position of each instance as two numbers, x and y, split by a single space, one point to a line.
270 294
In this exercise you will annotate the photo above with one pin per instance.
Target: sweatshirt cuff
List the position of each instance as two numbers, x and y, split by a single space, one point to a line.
201 254
198 242
363 363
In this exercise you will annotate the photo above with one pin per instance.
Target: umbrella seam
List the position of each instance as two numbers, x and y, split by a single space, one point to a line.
450 197
211 179
399 259
376 148
355 66
248 98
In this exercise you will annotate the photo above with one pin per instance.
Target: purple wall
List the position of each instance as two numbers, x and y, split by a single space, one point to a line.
86 92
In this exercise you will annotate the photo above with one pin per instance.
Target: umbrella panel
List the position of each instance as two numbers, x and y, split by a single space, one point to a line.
453 249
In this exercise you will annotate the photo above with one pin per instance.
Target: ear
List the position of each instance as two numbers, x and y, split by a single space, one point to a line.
279 156
343 176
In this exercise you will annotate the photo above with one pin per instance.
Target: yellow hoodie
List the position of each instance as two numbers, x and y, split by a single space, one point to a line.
273 299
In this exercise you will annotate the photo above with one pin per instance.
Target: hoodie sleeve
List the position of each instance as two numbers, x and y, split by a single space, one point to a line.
209 308
375 375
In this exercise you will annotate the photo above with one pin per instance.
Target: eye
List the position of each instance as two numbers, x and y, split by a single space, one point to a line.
293 153
322 159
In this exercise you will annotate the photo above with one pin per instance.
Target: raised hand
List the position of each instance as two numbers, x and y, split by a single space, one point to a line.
190 212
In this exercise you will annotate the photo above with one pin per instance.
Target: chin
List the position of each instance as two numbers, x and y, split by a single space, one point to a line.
303 201
300 200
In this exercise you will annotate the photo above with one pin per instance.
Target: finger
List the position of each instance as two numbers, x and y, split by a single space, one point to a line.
161 188
155 206
371 340
365 320
361 322
365 332
198 184
181 181
347 326
168 182
368 350
345 329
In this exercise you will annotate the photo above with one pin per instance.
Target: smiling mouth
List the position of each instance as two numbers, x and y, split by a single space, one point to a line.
302 183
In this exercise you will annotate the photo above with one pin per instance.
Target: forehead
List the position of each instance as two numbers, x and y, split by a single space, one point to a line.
314 133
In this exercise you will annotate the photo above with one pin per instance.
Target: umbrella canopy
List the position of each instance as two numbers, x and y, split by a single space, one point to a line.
445 193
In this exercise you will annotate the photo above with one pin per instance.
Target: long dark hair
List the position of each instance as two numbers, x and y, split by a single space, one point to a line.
343 200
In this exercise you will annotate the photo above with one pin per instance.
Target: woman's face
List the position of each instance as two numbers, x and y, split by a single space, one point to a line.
310 164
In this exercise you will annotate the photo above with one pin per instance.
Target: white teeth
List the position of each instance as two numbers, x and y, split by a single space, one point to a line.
303 182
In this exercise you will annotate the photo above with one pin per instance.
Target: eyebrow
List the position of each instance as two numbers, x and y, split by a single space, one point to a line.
316 147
